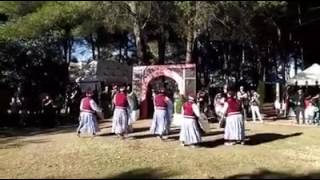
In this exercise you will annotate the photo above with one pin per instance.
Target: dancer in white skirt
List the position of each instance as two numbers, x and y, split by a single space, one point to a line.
88 120
160 123
120 124
234 128
189 133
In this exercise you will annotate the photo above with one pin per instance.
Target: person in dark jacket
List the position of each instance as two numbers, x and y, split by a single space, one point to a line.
299 106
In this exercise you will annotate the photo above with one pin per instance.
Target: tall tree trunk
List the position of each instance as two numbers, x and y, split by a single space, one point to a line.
242 60
70 43
302 56
225 62
125 53
93 47
295 66
66 49
98 52
161 46
229 53
189 42
300 22
268 60
191 32
120 52
141 52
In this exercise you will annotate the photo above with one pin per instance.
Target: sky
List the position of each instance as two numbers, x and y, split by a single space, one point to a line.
82 52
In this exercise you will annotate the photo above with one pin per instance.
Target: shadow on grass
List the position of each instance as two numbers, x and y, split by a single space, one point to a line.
257 139
212 144
17 144
15 132
253 140
144 173
11 135
266 174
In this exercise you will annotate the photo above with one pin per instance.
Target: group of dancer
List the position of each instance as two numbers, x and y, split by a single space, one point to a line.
190 128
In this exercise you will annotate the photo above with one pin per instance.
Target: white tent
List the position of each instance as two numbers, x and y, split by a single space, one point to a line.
310 76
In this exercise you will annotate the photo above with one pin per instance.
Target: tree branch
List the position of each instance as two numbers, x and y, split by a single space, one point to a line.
128 7
221 21
146 21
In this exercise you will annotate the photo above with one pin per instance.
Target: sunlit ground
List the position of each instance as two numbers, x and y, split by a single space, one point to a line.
272 150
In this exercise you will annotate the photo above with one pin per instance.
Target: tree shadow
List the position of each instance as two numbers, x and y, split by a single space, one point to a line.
8 144
266 174
257 139
12 134
144 173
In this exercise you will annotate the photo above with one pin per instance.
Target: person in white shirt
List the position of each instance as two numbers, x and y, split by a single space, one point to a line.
254 104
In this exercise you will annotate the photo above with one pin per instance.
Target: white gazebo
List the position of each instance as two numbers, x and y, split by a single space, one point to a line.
308 77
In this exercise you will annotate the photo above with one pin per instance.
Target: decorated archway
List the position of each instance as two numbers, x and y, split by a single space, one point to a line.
184 75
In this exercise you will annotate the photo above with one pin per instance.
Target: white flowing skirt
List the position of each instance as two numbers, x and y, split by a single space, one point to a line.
88 123
189 133
234 129
160 122
120 124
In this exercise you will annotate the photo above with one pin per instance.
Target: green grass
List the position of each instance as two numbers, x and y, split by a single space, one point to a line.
272 150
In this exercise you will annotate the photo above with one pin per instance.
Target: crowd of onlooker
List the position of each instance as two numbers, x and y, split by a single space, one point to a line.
52 110
305 105
43 109
48 110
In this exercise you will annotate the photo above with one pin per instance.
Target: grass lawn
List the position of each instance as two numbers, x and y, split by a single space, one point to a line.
272 151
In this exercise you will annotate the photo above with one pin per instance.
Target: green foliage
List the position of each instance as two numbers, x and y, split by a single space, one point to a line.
49 16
